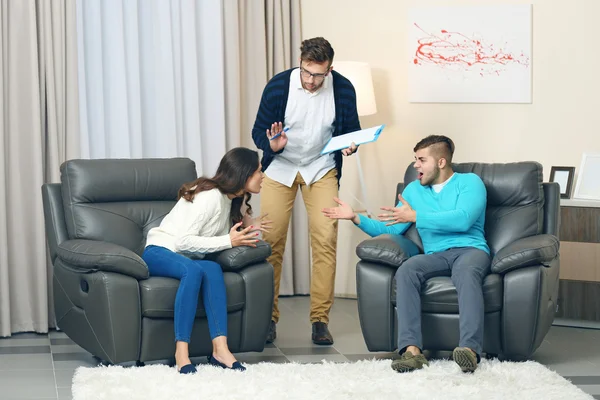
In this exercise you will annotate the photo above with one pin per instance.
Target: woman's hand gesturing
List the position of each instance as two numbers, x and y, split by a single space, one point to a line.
245 237
261 223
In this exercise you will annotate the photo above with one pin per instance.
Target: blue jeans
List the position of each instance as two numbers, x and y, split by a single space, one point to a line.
195 276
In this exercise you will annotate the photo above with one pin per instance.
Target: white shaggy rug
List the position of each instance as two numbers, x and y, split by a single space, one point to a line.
372 379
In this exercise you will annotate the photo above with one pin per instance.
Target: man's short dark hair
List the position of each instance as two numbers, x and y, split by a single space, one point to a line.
443 146
316 50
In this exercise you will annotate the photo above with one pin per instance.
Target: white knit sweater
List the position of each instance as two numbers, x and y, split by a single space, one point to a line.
197 227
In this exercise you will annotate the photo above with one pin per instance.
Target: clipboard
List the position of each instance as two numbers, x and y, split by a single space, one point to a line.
358 137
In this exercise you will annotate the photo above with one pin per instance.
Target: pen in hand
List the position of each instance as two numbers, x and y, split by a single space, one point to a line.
279 134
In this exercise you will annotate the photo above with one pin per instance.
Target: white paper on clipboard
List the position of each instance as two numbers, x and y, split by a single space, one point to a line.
357 137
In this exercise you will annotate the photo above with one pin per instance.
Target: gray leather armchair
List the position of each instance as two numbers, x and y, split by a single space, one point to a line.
520 293
96 220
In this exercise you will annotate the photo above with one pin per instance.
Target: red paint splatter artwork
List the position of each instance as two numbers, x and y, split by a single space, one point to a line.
458 51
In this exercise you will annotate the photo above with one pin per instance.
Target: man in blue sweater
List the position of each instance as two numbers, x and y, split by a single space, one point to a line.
448 209
301 109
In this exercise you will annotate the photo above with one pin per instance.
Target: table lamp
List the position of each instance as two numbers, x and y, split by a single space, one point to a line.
359 74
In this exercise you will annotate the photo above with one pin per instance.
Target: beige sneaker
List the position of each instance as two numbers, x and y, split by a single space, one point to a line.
408 362
465 358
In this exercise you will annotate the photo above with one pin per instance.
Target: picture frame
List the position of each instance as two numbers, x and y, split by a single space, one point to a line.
588 185
564 177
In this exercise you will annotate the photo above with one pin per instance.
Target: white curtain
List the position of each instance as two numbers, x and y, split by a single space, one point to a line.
39 130
165 78
262 38
151 79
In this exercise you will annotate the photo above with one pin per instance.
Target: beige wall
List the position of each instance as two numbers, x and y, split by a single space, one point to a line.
561 123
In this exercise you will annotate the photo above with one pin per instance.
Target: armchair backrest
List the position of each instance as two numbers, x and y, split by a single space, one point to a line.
119 200
551 208
515 201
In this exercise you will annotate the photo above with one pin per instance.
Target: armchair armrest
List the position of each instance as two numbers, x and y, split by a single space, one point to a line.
237 258
95 255
533 250
387 249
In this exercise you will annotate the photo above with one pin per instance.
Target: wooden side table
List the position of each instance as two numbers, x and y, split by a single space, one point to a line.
579 288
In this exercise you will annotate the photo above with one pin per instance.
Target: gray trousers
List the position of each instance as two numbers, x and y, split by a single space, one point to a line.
467 266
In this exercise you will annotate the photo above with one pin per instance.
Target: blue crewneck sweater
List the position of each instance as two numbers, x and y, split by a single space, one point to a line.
454 217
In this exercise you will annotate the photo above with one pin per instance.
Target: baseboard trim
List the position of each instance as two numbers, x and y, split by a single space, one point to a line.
576 323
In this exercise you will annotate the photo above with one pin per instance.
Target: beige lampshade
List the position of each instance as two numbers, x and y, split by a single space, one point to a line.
359 73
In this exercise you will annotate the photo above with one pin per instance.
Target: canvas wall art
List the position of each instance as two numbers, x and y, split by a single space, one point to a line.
470 54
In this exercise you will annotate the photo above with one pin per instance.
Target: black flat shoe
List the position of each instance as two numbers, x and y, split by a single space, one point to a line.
321 334
188 369
236 365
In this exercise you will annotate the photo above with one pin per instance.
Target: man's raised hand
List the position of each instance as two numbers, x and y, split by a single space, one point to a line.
277 137
342 211
398 215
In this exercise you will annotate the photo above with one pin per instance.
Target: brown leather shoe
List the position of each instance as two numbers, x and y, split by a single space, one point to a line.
320 334
465 358
272 333
409 362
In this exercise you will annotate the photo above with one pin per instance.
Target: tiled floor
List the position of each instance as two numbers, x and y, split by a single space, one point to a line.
41 366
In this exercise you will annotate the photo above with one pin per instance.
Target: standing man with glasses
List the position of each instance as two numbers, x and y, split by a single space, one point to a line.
301 109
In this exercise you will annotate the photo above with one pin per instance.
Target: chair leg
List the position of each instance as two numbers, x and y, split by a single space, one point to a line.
102 362
139 363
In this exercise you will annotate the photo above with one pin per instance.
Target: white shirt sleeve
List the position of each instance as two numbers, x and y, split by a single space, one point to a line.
199 244
204 211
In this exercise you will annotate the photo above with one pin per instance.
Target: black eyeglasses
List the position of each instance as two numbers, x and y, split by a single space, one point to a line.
306 74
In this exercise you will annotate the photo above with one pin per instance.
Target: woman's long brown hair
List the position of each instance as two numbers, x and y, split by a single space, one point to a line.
235 168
